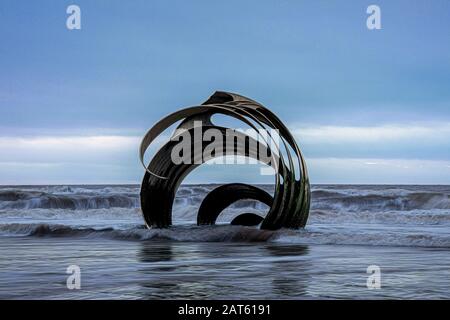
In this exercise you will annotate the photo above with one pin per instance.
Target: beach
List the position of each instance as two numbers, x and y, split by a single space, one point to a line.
403 230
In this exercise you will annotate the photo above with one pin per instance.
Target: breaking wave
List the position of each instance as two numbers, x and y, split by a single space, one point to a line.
191 233
227 233
349 215
323 198
389 199
81 201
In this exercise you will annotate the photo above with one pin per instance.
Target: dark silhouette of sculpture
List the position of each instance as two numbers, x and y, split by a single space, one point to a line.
289 207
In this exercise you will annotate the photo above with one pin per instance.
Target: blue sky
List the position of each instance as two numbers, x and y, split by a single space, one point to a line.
366 106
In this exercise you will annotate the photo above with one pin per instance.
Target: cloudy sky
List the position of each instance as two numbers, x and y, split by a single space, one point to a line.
367 106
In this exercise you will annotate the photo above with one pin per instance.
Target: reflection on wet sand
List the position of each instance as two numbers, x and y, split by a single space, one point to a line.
201 270
287 283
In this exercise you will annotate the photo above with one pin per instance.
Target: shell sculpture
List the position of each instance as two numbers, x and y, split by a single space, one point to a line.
289 206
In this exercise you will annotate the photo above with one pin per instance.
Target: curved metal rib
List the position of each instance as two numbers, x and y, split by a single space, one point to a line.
290 204
222 197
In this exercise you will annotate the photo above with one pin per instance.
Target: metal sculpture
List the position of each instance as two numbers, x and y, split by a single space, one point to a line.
289 206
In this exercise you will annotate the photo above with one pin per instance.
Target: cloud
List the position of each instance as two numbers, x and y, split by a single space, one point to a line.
53 149
417 141
70 142
378 171
377 154
71 159
370 134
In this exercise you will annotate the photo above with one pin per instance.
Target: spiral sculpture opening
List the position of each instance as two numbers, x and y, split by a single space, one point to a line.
289 206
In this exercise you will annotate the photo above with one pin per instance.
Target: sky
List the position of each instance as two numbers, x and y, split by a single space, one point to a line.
366 106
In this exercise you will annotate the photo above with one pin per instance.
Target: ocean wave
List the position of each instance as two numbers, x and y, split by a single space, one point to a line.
42 200
412 217
185 215
104 214
227 233
323 199
188 234
370 200
379 239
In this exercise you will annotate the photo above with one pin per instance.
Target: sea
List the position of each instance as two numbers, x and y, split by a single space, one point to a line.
90 242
